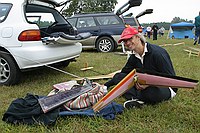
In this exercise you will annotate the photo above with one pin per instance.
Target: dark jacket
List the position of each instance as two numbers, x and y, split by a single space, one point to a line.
197 21
156 60
28 111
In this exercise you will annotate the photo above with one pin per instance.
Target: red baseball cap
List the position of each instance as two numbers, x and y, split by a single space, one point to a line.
128 33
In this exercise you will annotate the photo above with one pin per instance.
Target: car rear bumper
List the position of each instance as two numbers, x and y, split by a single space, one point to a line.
36 55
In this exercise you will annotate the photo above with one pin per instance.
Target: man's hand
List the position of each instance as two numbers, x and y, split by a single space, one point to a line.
140 87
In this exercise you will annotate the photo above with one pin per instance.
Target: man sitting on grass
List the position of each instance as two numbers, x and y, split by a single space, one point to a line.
148 57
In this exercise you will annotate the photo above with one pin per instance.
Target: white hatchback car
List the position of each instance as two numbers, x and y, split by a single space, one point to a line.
26 41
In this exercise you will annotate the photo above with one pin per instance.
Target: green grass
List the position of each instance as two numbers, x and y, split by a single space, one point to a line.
179 115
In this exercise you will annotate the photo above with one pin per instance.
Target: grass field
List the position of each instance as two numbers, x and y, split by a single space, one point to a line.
179 115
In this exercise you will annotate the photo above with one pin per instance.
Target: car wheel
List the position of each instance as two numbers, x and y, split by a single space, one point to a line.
9 71
105 44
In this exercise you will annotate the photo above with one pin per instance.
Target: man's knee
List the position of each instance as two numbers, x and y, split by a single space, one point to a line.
154 95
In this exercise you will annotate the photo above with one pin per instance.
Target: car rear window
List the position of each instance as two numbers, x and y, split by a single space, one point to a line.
107 20
41 19
130 21
72 21
4 10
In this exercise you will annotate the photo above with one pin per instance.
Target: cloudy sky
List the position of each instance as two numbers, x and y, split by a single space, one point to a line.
165 10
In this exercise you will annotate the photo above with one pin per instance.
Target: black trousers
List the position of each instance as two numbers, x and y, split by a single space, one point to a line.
150 95
197 34
155 35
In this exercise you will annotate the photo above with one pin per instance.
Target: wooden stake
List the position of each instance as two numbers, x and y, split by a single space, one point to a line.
173 44
86 67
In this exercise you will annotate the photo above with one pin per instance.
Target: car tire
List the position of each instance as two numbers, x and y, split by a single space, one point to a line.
9 71
105 44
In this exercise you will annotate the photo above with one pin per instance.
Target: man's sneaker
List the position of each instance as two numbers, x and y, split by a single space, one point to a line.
133 103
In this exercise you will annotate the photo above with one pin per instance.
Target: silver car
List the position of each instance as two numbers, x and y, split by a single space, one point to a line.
26 41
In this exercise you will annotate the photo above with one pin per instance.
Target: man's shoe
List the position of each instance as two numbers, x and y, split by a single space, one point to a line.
133 103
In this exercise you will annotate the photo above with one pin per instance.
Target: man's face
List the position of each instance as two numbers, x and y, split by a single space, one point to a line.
131 43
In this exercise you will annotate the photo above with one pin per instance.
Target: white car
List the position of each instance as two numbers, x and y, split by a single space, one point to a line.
26 41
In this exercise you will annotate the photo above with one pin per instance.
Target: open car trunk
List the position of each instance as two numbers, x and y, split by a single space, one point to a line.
54 28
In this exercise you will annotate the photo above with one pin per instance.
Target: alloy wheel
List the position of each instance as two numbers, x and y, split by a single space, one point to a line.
4 70
105 45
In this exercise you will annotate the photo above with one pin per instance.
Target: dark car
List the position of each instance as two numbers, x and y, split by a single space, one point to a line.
105 28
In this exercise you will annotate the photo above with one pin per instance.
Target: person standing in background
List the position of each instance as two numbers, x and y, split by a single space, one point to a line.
162 31
149 32
155 31
197 29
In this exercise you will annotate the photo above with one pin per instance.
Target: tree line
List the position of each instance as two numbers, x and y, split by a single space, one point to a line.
94 6
88 6
166 25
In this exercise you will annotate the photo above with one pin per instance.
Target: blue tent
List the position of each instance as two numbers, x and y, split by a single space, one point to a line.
181 30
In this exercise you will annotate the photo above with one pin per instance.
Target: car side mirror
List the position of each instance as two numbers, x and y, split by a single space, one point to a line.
128 5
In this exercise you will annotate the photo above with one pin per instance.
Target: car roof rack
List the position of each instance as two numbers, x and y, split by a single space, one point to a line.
93 13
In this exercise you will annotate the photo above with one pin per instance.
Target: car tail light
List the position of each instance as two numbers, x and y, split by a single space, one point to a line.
140 29
30 35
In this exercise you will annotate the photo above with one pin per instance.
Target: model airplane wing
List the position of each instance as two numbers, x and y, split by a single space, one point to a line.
159 79
145 78
51 102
